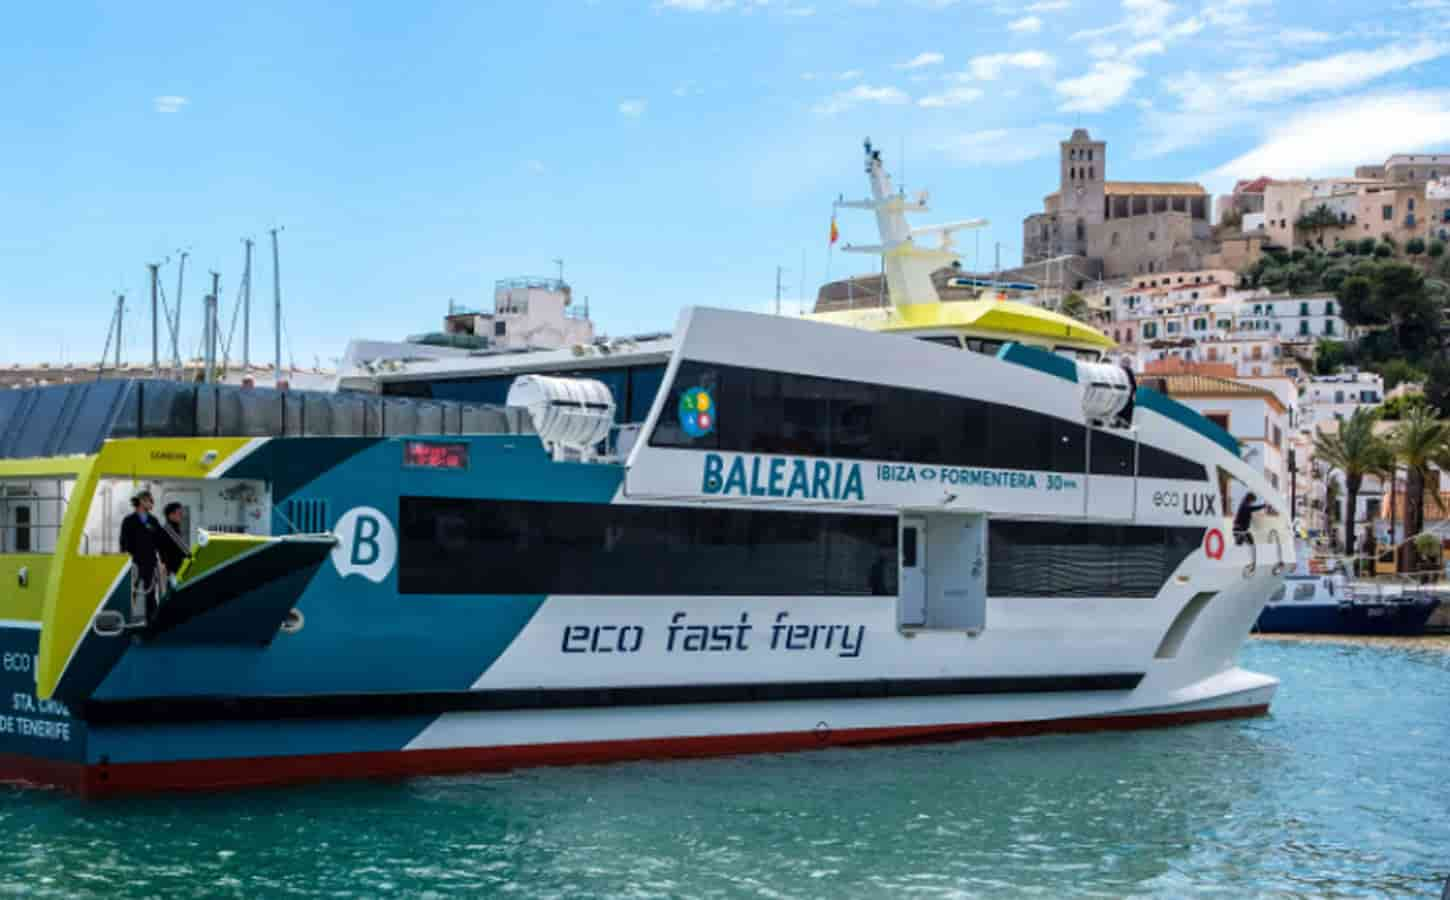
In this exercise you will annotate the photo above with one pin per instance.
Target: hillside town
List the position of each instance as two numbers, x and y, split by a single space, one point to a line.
1305 316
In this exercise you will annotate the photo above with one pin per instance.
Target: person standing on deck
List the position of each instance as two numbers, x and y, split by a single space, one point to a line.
170 545
138 539
1244 517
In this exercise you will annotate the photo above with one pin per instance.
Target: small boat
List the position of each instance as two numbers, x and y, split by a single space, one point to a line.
1331 603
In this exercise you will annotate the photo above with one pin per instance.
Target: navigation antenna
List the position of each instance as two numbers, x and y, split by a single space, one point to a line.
906 266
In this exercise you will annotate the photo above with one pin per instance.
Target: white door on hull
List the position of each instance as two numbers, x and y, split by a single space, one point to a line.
911 605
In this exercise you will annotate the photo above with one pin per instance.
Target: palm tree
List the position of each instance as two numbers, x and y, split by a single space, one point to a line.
1356 451
1417 442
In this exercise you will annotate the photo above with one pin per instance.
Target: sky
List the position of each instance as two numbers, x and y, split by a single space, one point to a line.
670 152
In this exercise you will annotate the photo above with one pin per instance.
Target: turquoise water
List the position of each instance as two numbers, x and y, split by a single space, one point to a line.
1341 791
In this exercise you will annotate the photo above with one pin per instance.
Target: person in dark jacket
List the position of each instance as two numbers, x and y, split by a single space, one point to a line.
170 544
1244 517
138 539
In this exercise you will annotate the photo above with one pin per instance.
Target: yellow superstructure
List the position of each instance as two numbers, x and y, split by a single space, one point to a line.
997 320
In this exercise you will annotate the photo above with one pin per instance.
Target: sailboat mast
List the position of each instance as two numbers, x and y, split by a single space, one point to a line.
247 309
155 334
176 317
276 311
120 314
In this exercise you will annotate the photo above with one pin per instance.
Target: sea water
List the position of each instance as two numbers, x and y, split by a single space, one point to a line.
1341 791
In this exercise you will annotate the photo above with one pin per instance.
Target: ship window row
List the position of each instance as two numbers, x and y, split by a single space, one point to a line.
466 546
758 411
634 388
1068 559
495 547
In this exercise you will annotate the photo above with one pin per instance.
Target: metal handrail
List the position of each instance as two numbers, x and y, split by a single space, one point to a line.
1279 545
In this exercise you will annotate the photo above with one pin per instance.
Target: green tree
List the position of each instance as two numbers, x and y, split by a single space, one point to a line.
1437 384
1400 292
1417 443
1075 306
1366 246
1356 296
1415 246
1397 372
1316 220
1355 451
1333 277
1436 249
1396 409
1330 356
1383 251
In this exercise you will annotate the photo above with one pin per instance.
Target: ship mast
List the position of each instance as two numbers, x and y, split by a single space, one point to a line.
907 266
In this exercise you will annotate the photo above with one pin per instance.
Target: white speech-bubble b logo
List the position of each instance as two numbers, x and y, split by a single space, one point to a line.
366 544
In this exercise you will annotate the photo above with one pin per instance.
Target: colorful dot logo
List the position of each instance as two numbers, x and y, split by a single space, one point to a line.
697 412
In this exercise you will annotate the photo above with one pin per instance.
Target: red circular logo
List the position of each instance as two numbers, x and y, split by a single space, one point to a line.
1213 544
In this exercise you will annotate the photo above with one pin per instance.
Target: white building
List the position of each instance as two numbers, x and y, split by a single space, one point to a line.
1251 413
1326 398
528 313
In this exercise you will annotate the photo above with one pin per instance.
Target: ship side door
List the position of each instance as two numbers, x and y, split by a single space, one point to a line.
911 583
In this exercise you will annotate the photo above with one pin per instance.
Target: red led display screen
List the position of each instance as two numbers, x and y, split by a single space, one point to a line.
432 455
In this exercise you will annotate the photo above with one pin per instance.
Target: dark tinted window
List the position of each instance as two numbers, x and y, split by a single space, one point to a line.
1156 463
1052 559
22 529
644 384
1112 454
457 546
780 413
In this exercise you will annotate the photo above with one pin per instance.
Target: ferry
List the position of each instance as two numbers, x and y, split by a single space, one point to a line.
757 533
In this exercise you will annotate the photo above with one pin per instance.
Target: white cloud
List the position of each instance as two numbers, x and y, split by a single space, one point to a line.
956 96
1145 19
1147 48
849 75
1304 36
1230 12
170 103
1048 6
632 108
809 76
1002 146
1025 25
687 89
535 167
1100 89
991 66
1214 103
706 6
1342 71
920 60
1103 51
799 12
861 93
1335 136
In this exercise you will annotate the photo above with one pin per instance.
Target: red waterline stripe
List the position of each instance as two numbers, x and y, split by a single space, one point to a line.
101 780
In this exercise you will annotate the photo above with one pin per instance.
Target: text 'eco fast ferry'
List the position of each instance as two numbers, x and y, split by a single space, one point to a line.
758 534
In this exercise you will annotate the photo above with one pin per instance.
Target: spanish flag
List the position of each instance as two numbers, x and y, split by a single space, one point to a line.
835 232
